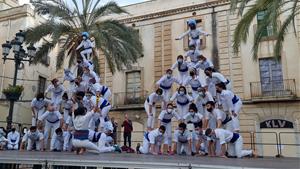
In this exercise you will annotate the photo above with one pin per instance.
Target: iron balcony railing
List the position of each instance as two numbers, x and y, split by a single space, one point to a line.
273 89
129 98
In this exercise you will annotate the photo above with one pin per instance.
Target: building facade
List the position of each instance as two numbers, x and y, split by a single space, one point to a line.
34 78
269 89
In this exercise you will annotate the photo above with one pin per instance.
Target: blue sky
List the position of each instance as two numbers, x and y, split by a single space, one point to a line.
120 2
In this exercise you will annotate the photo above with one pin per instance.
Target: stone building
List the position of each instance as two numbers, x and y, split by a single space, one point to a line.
13 18
269 89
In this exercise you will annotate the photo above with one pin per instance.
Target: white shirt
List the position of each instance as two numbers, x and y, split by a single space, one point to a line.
225 100
13 137
205 99
82 122
51 117
56 91
196 118
204 64
223 135
193 55
193 34
67 104
89 103
164 82
91 75
217 114
195 82
216 78
181 99
153 98
154 136
183 67
86 44
164 115
185 136
36 136
38 105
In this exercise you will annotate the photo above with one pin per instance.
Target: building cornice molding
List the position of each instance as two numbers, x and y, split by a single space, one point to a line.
174 11
16 12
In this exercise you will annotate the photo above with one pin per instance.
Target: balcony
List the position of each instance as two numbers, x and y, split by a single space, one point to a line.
132 99
273 90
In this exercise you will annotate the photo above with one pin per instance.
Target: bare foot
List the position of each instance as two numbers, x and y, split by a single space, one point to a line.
81 151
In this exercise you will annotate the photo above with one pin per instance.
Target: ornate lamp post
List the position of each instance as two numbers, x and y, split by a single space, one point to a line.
20 56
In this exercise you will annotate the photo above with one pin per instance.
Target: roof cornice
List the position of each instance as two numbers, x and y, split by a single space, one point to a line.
174 11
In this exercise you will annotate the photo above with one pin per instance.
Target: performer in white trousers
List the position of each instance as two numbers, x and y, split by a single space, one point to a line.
150 141
67 105
150 107
57 90
202 98
183 69
102 90
194 56
231 104
38 107
193 117
204 63
165 119
102 139
101 116
33 137
195 82
233 140
214 78
165 83
193 33
81 120
182 101
57 141
87 46
53 120
182 140
13 138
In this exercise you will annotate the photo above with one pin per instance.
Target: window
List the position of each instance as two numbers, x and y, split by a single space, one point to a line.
269 31
271 76
41 84
133 87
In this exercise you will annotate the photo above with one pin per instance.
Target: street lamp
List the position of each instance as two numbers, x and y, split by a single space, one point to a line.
20 56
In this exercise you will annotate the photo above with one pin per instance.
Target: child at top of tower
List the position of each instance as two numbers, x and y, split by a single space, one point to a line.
194 33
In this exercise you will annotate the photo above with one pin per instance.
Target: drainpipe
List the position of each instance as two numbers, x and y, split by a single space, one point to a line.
215 51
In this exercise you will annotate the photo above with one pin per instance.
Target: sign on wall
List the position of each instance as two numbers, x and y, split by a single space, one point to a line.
276 123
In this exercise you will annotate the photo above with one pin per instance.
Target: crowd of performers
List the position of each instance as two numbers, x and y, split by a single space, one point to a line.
204 106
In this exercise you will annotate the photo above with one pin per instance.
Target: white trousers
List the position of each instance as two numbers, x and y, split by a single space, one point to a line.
49 127
151 118
86 53
102 144
236 149
56 100
195 42
39 113
145 148
182 110
235 120
85 144
67 143
166 95
104 114
183 147
30 145
13 146
56 145
66 115
229 126
183 76
168 134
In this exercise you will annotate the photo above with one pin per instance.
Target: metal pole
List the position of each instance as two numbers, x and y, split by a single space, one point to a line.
12 102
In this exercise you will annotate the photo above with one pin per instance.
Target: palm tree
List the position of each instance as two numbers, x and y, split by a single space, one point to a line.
66 20
273 11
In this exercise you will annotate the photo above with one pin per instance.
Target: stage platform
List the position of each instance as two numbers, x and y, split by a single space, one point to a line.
136 161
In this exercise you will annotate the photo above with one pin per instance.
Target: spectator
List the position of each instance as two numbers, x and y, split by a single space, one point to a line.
3 140
127 124
115 126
